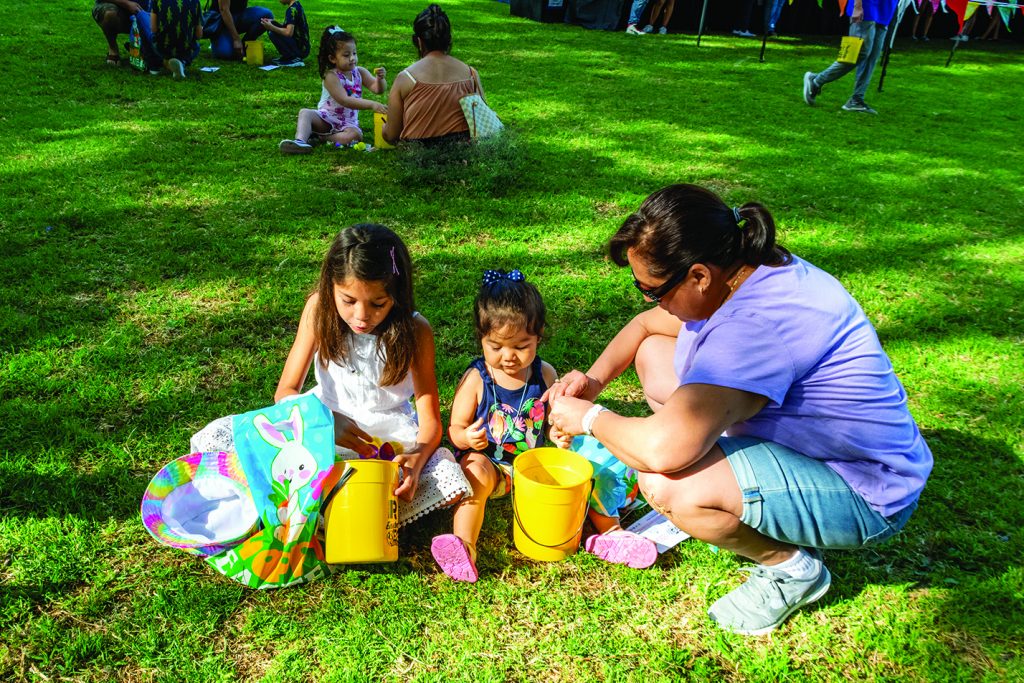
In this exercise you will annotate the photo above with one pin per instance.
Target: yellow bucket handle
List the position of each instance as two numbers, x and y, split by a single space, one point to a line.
515 514
349 471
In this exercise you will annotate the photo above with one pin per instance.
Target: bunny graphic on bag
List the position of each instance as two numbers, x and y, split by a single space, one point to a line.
292 468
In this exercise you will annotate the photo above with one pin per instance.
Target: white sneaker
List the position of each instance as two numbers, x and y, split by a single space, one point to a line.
633 30
177 68
294 147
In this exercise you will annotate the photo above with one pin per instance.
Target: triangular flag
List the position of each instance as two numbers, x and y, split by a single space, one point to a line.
959 8
1006 13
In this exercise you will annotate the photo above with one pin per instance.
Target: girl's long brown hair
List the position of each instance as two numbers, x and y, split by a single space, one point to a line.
371 253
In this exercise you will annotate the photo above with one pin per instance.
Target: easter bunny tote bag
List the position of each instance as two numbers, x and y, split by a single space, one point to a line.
287 452
252 512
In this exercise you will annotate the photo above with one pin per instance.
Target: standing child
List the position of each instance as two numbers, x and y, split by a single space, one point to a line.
290 38
337 118
498 413
660 9
869 21
177 27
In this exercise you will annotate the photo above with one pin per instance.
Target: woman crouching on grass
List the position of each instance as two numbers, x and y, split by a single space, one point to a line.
749 341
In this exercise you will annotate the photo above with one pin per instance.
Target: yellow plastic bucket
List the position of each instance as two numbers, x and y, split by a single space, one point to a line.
254 52
378 131
550 490
361 520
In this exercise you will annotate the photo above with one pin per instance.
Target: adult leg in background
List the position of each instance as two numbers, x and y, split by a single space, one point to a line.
874 40
113 21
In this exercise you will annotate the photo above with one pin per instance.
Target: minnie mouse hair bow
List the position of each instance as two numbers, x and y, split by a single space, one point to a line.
493 276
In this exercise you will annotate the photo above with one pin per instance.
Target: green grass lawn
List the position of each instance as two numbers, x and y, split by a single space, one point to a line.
157 249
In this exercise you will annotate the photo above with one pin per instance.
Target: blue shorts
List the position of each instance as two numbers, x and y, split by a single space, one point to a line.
796 499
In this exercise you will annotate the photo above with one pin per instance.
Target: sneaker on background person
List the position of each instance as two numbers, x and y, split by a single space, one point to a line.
649 28
177 68
810 89
853 104
294 147
633 30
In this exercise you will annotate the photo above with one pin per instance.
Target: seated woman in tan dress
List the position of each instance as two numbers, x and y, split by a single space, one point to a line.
424 102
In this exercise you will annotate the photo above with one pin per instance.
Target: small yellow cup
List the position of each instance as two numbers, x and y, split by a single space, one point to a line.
378 131
849 49
254 52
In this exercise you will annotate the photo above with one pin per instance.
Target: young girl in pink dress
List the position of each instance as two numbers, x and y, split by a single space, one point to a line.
336 118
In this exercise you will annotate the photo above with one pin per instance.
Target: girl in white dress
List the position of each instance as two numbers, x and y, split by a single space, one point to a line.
373 359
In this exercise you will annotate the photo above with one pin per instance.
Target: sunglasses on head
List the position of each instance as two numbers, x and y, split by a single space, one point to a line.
658 293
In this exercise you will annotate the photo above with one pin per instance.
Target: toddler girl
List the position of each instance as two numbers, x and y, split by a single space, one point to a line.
337 119
497 413
373 359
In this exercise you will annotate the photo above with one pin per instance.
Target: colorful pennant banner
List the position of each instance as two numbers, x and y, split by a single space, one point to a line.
963 9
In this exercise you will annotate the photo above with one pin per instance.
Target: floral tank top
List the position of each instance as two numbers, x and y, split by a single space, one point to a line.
514 418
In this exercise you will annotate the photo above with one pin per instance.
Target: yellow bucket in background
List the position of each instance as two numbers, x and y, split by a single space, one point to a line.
361 520
550 491
254 52
378 131
849 49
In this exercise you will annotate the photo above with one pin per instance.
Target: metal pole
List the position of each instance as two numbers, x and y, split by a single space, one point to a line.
885 65
700 29
764 28
951 51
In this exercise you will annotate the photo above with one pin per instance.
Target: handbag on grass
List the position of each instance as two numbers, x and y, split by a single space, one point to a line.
481 119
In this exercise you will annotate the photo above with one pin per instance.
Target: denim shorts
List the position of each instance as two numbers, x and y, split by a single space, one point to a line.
796 499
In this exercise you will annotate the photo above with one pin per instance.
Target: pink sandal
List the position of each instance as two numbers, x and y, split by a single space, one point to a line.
623 547
452 555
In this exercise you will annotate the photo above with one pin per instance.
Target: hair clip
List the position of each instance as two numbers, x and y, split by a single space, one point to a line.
493 276
737 217
335 29
394 264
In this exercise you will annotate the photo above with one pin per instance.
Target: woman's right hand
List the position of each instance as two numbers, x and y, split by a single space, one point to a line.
379 108
574 384
347 434
476 435
239 49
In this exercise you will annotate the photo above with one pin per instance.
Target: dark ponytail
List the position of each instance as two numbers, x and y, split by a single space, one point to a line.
681 225
431 30
757 233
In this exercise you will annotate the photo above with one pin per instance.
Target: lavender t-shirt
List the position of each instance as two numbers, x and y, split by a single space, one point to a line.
794 335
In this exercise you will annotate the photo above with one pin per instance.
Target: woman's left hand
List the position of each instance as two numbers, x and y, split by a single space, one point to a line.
409 465
567 415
